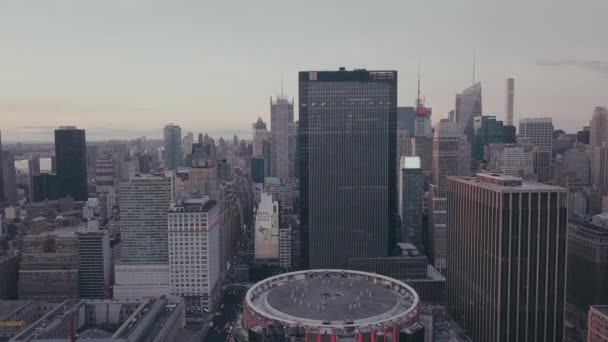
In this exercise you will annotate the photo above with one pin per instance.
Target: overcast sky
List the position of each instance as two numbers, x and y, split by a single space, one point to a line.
122 68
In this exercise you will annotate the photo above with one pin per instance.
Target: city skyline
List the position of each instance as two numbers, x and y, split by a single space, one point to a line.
107 82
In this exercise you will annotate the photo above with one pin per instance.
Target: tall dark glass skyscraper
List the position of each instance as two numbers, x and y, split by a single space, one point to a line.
71 159
347 148
506 255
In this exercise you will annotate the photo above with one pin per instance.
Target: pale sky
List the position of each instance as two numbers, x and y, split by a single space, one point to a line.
122 68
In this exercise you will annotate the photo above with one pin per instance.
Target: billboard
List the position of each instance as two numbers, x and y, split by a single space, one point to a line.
266 229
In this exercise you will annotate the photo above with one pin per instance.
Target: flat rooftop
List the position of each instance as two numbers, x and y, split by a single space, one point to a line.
332 299
503 183
60 232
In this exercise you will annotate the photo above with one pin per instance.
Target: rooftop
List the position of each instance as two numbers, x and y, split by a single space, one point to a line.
503 183
61 232
332 299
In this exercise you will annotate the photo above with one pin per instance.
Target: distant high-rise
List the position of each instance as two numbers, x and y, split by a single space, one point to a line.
347 147
541 163
44 187
9 177
509 100
451 157
173 146
598 127
406 117
33 166
71 160
282 130
144 202
600 169
260 133
488 130
537 131
506 275
587 271
468 106
1 172
411 189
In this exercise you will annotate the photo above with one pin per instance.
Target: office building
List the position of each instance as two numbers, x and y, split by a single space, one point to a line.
347 119
282 130
537 132
285 246
194 255
172 136
598 324
509 134
267 229
411 189
509 100
44 187
406 118
598 127
600 169
9 176
451 157
487 131
2 198
260 134
143 203
422 147
587 275
33 166
541 163
468 106
49 265
71 160
576 168
257 169
516 162
94 263
187 142
506 240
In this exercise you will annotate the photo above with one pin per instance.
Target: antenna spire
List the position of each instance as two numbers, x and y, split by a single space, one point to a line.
281 83
418 96
474 60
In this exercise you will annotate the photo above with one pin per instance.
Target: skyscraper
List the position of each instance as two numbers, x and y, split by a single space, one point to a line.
468 106
598 127
509 100
33 166
71 160
411 189
1 172
541 163
260 133
94 263
173 146
194 259
347 165
9 177
587 271
451 157
282 130
488 130
537 131
506 276
144 202
600 169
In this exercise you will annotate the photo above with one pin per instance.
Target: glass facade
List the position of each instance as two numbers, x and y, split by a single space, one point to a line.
71 161
347 147
488 130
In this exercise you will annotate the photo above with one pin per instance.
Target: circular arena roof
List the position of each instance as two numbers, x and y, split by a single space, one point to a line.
333 299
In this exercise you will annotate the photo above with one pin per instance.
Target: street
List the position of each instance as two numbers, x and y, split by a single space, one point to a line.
228 311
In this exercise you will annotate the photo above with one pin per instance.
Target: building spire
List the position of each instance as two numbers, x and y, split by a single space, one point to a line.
418 104
474 60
